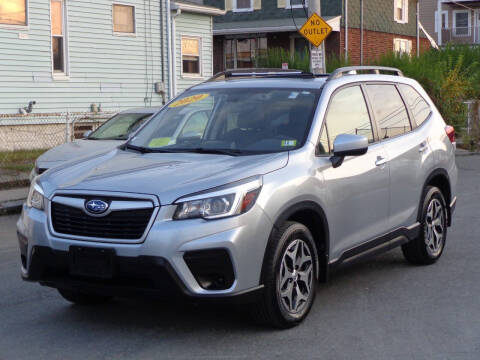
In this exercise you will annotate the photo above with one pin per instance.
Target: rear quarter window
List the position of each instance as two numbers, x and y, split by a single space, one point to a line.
418 106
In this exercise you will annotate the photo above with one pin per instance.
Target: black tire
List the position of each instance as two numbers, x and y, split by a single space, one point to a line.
271 309
417 251
81 298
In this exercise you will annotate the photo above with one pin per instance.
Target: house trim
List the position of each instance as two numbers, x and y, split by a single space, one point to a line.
455 12
198 76
298 6
405 13
236 9
65 74
199 9
333 22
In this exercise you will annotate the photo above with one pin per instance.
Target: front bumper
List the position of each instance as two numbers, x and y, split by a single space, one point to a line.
156 266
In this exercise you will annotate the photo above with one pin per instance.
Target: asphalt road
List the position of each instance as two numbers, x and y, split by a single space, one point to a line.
381 309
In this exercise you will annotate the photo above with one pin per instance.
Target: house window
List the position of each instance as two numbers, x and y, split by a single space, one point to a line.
191 56
444 20
296 4
241 53
401 11
58 30
13 12
123 19
461 23
242 5
402 46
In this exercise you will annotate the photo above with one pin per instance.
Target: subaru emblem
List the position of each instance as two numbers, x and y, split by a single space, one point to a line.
96 206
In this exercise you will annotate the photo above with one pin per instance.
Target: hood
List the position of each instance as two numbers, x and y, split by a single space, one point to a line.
168 176
73 150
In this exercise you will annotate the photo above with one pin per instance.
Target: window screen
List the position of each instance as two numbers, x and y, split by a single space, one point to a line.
123 18
389 109
419 107
348 114
13 12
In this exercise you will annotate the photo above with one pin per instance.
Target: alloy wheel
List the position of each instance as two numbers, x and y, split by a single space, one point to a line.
435 228
296 277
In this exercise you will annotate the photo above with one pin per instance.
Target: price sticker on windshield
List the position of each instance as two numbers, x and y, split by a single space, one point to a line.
188 100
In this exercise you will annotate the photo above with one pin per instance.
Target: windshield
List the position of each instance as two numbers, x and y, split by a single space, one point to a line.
119 127
238 121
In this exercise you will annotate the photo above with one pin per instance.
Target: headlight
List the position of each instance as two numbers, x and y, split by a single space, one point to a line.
233 199
35 197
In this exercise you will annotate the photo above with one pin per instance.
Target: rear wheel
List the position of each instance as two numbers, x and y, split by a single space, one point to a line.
82 298
427 248
289 277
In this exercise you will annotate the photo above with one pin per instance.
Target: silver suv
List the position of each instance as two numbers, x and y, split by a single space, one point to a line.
290 176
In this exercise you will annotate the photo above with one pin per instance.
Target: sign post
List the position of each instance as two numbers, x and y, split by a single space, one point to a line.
316 30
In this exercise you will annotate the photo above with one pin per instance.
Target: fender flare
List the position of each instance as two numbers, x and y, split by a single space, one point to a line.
317 209
434 173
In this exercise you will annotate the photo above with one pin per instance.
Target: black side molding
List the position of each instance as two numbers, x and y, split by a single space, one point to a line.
377 246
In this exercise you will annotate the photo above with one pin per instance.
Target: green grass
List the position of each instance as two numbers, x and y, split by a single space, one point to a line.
20 160
275 57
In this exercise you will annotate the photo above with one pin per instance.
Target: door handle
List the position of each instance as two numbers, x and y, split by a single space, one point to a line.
380 161
423 147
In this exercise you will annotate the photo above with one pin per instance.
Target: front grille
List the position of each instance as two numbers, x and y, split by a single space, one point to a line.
123 224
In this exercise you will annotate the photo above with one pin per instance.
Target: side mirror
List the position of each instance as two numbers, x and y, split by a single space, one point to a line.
86 134
348 145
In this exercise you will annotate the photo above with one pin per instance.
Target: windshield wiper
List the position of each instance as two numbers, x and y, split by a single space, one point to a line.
230 152
120 137
141 149
145 150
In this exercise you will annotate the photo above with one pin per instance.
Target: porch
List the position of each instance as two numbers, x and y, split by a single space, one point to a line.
460 22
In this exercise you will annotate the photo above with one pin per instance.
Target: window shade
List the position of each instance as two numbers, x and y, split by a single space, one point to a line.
13 12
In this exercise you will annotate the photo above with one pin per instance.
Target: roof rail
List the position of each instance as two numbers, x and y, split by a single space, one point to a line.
351 70
262 73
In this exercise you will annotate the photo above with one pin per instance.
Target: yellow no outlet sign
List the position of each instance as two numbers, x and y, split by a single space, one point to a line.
315 30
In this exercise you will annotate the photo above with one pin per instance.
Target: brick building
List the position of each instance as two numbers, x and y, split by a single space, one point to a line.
251 26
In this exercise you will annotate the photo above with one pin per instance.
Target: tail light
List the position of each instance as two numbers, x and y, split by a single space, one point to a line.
450 130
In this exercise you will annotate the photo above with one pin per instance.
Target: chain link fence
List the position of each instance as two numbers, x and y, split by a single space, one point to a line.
25 137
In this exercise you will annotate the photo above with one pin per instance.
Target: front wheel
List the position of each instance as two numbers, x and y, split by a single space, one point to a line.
427 248
289 276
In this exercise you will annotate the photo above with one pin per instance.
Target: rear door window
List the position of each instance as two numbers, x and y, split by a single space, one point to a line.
418 106
347 114
389 110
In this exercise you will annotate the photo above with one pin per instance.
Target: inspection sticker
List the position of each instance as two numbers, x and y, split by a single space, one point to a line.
159 142
188 100
289 142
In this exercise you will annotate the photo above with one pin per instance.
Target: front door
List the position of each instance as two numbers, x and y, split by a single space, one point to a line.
358 190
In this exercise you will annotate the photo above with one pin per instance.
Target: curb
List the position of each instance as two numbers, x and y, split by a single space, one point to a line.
11 207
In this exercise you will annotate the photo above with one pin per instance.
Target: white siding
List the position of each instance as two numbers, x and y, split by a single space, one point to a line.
116 71
195 26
